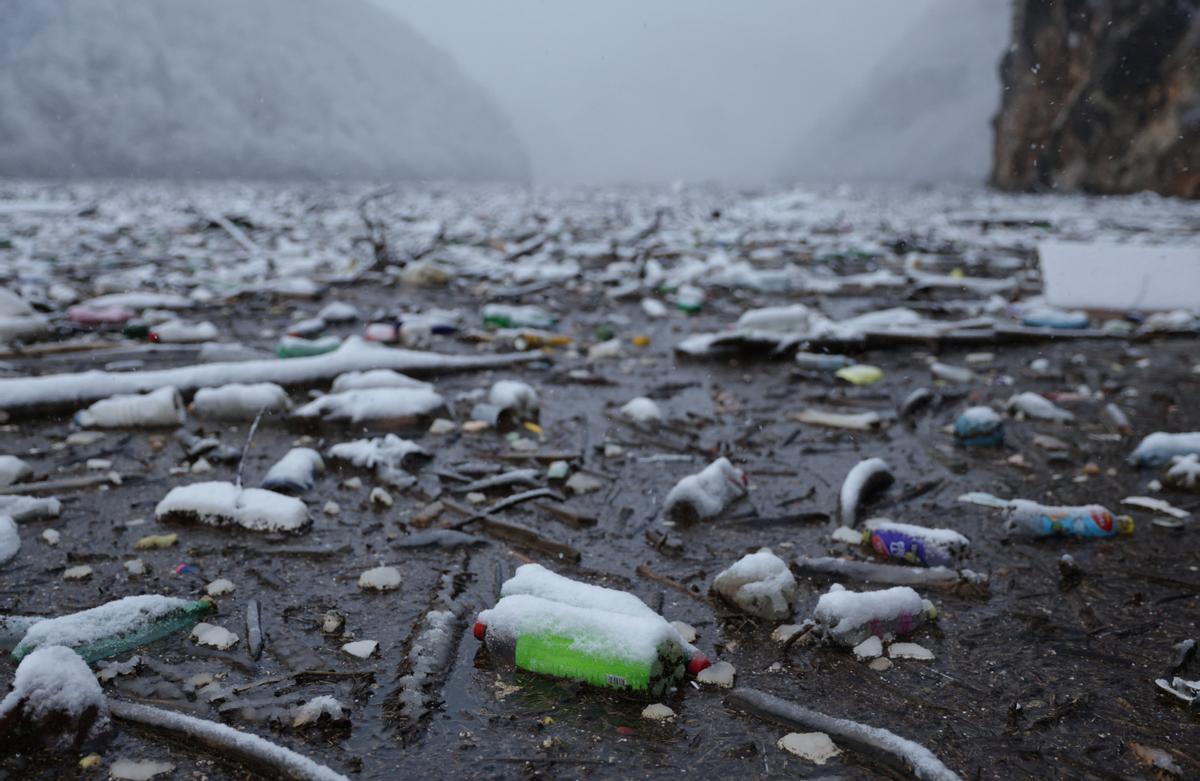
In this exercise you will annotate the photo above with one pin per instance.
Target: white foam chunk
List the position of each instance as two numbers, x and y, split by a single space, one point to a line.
908 651
363 649
357 406
387 451
223 504
1184 471
30 508
138 769
707 493
816 747
213 636
720 675
868 649
657 712
759 584
240 401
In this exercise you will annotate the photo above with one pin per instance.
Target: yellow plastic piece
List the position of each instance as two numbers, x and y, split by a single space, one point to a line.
89 762
535 428
155 541
640 341
860 374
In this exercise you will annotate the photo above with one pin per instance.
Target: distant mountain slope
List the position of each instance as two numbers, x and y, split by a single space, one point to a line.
926 112
238 88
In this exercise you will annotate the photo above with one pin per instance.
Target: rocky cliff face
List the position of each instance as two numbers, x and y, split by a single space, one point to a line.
236 89
1101 96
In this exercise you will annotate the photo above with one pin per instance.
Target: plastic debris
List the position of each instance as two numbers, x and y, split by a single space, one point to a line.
886 574
759 584
657 712
915 544
115 627
373 404
706 494
162 407
1038 520
380 579
238 401
219 587
1159 448
583 483
943 371
599 647
979 427
1157 505
376 378
503 316
720 675
387 456
224 504
295 473
860 374
324 707
849 617
10 539
642 410
57 698
864 478
363 649
518 398
1183 473
854 421
1034 406
156 541
870 648
909 651
13 469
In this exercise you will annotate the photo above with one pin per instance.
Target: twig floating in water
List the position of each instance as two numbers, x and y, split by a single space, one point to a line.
881 744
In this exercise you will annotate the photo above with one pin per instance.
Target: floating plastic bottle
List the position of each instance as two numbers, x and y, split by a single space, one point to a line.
914 544
114 628
849 617
295 473
598 647
163 407
505 316
823 361
979 427
295 347
1039 520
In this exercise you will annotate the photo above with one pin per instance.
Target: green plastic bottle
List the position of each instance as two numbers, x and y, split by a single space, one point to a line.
504 316
297 347
596 647
114 628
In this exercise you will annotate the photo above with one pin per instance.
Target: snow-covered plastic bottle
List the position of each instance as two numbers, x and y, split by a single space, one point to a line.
162 407
979 427
296 472
598 647
115 627
1160 447
705 494
1026 517
914 544
295 347
849 617
505 316
536 580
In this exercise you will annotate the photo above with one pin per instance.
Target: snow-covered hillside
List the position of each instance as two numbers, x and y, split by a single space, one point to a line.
231 88
926 112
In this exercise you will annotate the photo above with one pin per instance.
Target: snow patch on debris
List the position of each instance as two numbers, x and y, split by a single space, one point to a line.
162 407
224 504
705 494
54 681
239 401
376 378
13 469
759 584
118 617
367 404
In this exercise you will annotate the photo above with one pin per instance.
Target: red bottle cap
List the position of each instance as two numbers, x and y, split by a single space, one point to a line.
481 630
696 663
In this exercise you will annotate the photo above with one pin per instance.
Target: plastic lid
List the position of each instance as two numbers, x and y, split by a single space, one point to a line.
480 630
697 663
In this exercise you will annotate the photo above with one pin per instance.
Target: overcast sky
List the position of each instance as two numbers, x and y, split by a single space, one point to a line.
605 91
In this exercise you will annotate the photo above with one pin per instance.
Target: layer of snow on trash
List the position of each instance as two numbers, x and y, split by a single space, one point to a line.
387 451
219 503
211 732
295 470
55 680
376 378
380 579
1184 471
1158 448
118 617
214 636
841 610
513 395
10 539
373 404
592 632
162 407
312 711
708 492
29 508
760 584
13 469
1036 406
642 410
239 401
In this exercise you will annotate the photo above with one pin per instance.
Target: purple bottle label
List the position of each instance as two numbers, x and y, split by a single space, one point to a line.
894 544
